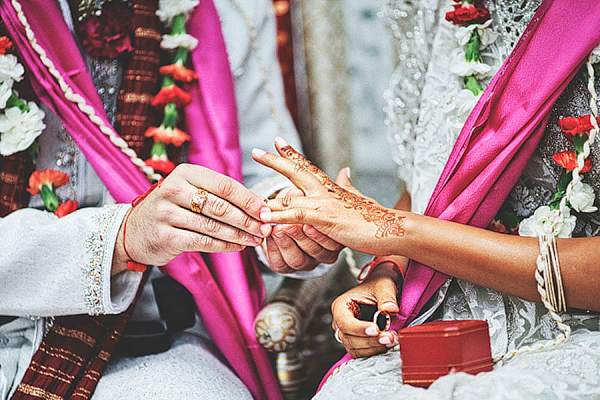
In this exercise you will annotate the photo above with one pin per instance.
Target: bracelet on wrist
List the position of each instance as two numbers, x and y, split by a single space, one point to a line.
369 267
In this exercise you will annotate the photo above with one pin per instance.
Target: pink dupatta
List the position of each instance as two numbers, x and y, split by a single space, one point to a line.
227 287
503 131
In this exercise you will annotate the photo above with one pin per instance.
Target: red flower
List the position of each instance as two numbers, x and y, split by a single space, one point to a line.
572 126
568 161
178 72
171 94
160 164
49 177
108 34
66 208
167 135
5 44
465 13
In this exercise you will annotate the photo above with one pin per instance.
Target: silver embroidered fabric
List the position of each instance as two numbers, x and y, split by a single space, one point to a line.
570 371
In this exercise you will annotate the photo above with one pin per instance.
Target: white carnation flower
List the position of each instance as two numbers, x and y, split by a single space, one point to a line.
10 68
544 221
486 34
582 197
181 40
19 129
5 92
169 9
461 67
595 55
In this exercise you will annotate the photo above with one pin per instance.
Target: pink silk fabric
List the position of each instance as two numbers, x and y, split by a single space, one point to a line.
227 287
503 131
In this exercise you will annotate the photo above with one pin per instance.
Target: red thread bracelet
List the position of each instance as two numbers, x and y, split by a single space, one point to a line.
132 265
369 267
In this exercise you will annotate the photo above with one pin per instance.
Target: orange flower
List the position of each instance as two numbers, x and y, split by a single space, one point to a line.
572 126
568 160
5 44
66 208
160 164
178 72
49 177
167 135
171 94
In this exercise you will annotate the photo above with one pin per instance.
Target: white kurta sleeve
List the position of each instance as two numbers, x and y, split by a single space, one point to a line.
53 266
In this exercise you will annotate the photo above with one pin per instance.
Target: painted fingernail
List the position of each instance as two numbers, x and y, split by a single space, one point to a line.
385 340
257 240
348 172
372 331
266 215
265 229
258 152
278 234
281 142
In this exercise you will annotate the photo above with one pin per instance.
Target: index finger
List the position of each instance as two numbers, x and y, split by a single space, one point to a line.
225 188
300 177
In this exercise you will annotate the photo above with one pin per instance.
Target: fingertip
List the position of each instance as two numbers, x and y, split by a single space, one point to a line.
389 307
281 142
258 152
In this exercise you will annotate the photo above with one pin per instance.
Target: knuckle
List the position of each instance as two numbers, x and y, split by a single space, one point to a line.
170 190
299 215
205 242
220 207
212 226
246 221
225 187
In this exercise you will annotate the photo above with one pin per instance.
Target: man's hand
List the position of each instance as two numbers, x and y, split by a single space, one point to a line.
162 225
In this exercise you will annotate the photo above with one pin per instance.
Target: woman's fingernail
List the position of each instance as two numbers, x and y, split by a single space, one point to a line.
258 152
372 331
278 234
385 340
265 229
281 142
348 172
266 215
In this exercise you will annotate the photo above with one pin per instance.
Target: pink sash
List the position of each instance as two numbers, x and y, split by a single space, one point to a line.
227 287
503 130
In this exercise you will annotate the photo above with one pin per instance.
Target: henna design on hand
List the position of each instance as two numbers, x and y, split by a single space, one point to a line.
388 222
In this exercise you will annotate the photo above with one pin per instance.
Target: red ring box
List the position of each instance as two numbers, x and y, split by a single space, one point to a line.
438 348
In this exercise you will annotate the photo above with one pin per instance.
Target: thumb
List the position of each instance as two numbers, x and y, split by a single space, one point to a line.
343 179
386 294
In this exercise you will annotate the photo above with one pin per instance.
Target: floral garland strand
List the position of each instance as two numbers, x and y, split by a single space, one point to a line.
21 123
474 34
171 97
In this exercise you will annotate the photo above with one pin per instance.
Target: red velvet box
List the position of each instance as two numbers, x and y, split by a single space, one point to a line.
434 349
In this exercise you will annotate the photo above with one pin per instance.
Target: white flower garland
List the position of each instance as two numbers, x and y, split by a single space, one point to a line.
19 126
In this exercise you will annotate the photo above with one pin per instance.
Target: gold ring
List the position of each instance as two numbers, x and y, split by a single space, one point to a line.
198 200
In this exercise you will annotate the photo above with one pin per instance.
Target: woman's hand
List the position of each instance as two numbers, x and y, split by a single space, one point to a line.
162 225
363 338
297 247
343 214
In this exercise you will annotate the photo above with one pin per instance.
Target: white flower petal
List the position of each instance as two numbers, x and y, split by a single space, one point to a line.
10 68
19 129
182 40
169 9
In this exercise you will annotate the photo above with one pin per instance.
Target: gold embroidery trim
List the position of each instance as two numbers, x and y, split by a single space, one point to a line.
147 33
75 334
37 392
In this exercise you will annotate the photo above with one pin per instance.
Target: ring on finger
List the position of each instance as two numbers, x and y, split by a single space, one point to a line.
198 200
337 335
